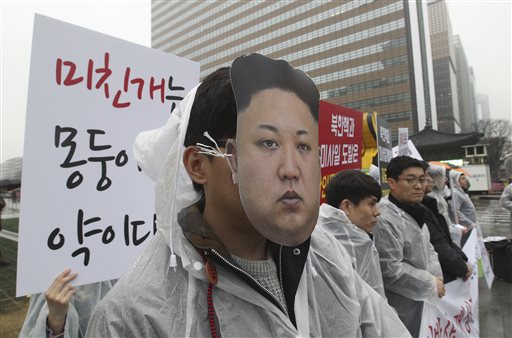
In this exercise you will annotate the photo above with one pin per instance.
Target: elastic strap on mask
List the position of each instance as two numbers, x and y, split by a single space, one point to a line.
209 150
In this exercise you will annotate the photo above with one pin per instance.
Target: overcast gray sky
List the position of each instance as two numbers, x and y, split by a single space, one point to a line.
484 27
485 31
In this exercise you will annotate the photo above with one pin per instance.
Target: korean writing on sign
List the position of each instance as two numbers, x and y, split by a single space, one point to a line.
64 138
465 316
342 126
385 154
338 154
96 77
86 204
385 149
131 234
339 139
385 134
444 329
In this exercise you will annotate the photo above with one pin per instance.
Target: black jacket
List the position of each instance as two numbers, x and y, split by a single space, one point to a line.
451 257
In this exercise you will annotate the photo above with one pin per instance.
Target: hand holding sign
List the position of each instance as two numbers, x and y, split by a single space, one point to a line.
58 296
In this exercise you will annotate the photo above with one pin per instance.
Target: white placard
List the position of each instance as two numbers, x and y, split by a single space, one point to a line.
412 151
403 137
85 205
484 256
456 314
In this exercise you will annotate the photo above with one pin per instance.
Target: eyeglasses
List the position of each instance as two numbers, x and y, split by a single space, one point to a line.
415 180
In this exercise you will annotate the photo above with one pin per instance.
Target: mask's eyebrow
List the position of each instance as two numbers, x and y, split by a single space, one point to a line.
275 130
268 127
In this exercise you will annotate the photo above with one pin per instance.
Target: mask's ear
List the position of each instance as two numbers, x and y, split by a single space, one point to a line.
232 159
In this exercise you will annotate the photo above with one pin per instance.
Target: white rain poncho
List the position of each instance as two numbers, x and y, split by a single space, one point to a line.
81 305
408 262
153 299
464 212
438 174
356 241
506 200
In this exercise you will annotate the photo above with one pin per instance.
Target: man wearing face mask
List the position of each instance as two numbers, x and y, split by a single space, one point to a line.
276 165
210 271
410 267
350 213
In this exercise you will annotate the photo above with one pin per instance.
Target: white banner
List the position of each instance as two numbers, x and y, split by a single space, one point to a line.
85 205
456 314
412 151
403 138
484 256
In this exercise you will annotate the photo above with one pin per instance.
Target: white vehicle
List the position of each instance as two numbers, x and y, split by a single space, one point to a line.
479 177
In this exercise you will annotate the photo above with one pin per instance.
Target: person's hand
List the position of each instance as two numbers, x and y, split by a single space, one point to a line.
470 271
440 287
57 296
465 230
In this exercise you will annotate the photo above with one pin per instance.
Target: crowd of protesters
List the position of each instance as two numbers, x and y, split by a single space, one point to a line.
244 247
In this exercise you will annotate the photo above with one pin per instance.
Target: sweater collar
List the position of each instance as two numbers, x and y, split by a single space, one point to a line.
289 260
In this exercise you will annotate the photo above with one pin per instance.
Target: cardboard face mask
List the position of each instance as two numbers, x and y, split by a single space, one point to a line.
274 159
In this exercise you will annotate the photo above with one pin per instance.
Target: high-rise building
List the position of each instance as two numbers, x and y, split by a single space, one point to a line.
472 91
483 111
365 54
445 68
465 89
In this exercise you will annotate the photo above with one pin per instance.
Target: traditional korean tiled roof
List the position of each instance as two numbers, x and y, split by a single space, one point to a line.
429 137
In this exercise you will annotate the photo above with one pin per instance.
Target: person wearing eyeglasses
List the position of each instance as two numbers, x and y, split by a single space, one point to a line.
410 267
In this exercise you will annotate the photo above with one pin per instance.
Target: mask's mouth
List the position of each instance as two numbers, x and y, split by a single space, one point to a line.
290 198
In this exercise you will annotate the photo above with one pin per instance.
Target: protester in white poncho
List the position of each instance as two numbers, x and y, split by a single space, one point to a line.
223 272
463 209
350 213
438 174
410 268
63 310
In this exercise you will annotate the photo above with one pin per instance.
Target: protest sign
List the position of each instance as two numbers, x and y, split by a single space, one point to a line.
340 137
412 151
483 257
403 137
456 314
385 149
85 203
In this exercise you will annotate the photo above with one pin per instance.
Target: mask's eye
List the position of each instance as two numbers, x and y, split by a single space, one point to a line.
269 144
304 147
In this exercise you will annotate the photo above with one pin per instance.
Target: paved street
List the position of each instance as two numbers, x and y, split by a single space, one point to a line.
494 220
495 304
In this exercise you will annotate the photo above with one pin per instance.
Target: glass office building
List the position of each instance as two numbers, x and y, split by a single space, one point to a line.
364 54
445 67
465 88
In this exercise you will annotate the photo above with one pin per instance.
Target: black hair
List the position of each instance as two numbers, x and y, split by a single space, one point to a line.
214 111
425 165
352 185
448 181
400 163
254 73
